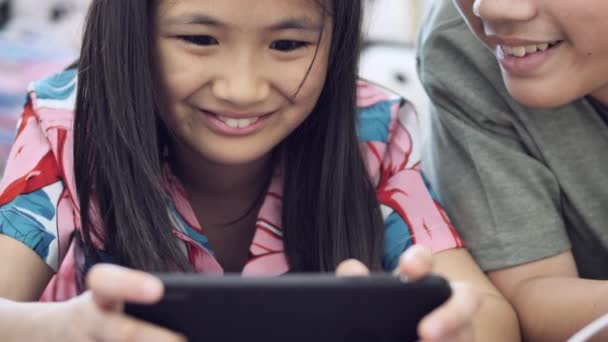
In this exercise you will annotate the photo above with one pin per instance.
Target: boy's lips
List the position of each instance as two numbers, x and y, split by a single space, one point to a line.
525 59
521 49
512 40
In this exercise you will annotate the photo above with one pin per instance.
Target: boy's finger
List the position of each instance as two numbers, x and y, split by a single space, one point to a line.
415 262
452 316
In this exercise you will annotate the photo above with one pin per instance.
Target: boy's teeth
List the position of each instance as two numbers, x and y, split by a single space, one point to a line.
237 123
543 47
520 51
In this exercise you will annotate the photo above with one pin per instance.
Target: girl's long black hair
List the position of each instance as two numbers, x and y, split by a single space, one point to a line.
330 211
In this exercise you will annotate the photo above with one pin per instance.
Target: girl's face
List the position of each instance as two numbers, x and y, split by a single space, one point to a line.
241 75
551 52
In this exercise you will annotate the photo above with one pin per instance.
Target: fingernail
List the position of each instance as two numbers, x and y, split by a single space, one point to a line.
403 278
433 330
408 258
152 286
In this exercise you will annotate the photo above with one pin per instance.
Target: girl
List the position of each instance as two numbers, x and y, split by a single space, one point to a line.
217 136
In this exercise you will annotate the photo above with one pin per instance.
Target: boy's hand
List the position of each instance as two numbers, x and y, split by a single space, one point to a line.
452 321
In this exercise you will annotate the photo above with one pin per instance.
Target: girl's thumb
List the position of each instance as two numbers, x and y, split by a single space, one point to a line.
112 285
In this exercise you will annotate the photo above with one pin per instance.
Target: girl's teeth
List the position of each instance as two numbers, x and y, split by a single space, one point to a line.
237 123
234 123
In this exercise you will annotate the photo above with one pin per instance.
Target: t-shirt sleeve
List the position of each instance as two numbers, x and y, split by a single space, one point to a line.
32 193
504 202
390 132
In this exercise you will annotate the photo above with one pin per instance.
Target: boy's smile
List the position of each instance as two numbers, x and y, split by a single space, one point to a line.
551 52
524 58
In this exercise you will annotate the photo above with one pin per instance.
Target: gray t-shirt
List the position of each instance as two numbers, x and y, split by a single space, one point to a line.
601 108
520 184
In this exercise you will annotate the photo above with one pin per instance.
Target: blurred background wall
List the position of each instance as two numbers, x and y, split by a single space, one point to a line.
37 39
389 54
41 37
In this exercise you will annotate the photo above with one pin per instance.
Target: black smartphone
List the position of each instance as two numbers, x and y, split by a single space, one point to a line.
294 307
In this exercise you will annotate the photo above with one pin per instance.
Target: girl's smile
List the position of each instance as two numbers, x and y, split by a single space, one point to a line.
239 82
235 124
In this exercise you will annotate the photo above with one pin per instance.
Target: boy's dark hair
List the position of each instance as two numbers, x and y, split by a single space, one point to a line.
330 211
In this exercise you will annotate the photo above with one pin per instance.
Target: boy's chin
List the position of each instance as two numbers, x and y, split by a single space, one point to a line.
540 102
541 96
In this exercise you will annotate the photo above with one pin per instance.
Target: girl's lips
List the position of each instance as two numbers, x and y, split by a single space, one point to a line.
528 64
222 126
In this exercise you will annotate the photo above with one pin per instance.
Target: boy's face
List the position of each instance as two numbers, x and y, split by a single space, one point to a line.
241 75
551 52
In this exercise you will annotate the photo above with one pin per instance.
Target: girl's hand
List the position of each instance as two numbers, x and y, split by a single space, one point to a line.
97 315
452 321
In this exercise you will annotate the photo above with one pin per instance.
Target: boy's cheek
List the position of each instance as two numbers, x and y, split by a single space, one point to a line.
473 21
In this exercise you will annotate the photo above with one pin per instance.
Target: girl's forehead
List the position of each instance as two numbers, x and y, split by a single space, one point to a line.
252 11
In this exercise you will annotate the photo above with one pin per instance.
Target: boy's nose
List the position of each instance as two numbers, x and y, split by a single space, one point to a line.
503 11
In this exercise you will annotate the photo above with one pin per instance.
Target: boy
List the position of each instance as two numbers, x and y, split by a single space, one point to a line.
518 145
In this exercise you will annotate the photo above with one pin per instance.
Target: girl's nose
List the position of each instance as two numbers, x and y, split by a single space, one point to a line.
241 85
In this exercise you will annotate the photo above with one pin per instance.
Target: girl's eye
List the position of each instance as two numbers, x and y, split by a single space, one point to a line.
200 40
287 45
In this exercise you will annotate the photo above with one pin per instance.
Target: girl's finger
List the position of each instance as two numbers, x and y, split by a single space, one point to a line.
415 262
351 268
453 317
112 285
464 335
118 327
